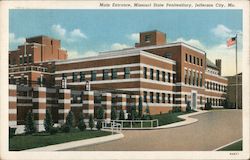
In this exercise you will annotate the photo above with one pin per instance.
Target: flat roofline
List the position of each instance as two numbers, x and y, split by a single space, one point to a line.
123 53
45 36
161 46
155 30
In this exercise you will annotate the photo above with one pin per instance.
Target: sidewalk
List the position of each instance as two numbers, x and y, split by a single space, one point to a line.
80 143
187 120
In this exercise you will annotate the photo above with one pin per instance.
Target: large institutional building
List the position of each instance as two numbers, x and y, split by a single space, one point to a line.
164 75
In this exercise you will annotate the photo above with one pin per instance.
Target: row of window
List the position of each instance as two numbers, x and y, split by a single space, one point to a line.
215 86
215 101
105 76
194 60
158 72
25 59
158 95
193 78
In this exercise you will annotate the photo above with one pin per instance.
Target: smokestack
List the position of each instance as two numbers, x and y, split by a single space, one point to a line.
218 65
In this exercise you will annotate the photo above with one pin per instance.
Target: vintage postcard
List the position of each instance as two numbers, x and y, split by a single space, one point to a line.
124 79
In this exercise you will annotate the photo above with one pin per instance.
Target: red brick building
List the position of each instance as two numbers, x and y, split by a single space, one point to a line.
165 75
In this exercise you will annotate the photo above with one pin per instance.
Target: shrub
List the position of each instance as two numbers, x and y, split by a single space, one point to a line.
48 122
91 122
133 113
12 132
99 124
65 128
113 113
81 123
176 109
121 115
29 124
70 119
188 108
53 130
208 106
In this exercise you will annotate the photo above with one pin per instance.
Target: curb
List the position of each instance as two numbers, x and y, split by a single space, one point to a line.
74 144
227 144
187 120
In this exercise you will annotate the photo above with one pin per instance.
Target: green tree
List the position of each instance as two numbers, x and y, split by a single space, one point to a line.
133 113
140 107
81 124
48 121
188 108
70 119
113 113
121 115
91 122
29 124
100 113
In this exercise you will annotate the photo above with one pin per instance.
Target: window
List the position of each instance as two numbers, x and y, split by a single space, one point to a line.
185 99
169 76
147 38
93 75
194 74
64 76
74 75
186 57
157 97
190 58
151 74
145 96
82 77
105 74
30 59
168 55
189 77
185 76
151 97
25 59
145 72
174 78
157 75
201 63
169 98
21 60
198 61
163 76
114 73
200 99
197 79
173 98
126 72
194 61
163 98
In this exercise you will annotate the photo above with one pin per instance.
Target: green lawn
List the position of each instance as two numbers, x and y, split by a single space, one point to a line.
167 118
233 147
22 142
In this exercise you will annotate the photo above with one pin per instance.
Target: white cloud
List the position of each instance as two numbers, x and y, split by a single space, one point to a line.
15 40
118 46
193 42
72 54
222 31
134 37
76 33
59 30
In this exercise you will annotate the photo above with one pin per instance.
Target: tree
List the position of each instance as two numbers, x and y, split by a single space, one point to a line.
113 113
48 122
29 124
133 113
188 108
70 119
121 115
100 113
81 123
91 122
140 107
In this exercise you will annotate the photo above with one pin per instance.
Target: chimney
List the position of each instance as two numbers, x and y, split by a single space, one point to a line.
151 38
218 65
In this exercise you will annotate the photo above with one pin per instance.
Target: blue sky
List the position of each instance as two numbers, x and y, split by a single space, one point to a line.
86 32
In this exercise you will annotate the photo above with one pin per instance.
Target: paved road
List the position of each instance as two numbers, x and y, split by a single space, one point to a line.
213 130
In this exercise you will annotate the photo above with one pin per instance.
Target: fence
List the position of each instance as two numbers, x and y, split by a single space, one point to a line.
133 124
